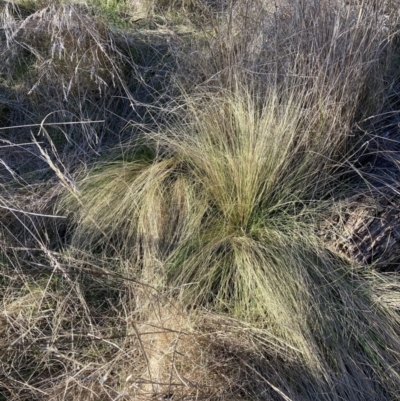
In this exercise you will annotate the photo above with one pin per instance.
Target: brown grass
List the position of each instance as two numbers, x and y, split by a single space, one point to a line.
172 249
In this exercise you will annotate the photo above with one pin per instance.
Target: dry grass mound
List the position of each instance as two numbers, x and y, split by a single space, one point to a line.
187 262
225 215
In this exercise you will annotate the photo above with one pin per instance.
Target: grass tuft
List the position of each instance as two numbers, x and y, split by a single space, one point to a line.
226 215
190 196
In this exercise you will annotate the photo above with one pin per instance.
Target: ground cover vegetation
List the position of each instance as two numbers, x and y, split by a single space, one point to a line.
199 200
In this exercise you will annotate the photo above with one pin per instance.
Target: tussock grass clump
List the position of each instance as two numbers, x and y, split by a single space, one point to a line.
338 51
193 265
61 64
65 43
226 214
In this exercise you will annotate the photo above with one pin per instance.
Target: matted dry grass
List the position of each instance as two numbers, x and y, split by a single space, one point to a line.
187 262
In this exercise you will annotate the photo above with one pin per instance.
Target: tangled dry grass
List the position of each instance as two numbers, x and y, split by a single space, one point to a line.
177 186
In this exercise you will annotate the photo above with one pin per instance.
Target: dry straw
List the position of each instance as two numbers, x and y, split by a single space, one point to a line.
189 265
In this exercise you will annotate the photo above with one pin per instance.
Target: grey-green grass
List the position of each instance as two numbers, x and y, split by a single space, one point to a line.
225 215
192 217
